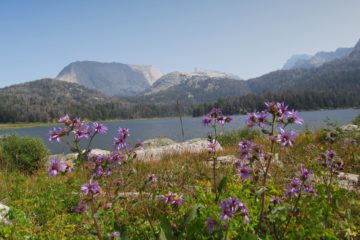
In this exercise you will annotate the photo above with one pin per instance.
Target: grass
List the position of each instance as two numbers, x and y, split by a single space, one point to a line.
25 125
42 206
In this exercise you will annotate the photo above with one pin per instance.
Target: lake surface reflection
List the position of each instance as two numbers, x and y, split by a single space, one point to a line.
143 129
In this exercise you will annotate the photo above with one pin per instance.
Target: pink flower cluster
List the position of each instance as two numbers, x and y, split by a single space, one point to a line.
173 199
78 127
215 116
60 166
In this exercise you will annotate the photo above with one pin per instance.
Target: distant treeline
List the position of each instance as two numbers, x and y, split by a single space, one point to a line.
307 100
46 100
20 109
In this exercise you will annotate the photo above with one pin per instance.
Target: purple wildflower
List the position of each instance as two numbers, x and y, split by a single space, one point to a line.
310 190
282 109
56 134
56 167
99 171
119 183
272 107
245 148
231 206
228 119
293 117
113 235
330 154
286 139
115 158
216 116
120 143
123 132
251 120
82 207
91 187
107 205
99 128
215 113
305 174
76 123
69 166
65 120
213 145
330 160
275 200
294 187
207 120
262 119
172 198
211 224
82 132
243 171
152 177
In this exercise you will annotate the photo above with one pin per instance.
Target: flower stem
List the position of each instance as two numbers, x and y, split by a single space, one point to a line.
97 227
262 211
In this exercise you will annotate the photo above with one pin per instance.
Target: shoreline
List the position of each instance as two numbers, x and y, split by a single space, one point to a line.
4 126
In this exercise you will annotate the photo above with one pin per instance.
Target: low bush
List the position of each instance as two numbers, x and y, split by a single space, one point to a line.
356 120
234 137
22 153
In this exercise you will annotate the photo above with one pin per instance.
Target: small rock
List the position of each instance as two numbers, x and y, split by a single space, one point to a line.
349 127
228 159
3 212
157 142
348 181
74 155
192 146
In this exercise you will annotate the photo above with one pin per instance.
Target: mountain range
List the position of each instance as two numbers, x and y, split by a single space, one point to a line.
112 79
114 90
303 61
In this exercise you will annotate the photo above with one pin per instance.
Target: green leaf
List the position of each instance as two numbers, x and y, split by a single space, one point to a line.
261 191
122 230
166 232
123 235
249 236
190 215
222 184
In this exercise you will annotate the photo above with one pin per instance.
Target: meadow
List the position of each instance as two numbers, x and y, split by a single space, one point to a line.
283 185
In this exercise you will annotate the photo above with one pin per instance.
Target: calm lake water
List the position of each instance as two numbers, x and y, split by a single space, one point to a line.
170 127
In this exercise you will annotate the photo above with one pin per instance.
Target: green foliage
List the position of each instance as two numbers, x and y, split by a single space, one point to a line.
42 207
23 153
356 120
234 137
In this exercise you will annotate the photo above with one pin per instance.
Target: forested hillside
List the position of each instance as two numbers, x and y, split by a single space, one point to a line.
47 99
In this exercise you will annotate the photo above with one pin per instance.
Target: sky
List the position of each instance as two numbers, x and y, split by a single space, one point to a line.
248 38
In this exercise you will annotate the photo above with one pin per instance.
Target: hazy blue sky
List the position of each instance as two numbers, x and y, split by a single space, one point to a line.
248 38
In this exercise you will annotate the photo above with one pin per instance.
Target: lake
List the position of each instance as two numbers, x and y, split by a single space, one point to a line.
143 129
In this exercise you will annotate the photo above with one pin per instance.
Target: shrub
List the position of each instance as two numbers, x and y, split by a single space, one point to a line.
235 136
23 153
356 120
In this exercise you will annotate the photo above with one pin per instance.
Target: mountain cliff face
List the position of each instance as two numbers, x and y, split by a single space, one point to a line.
112 79
198 90
308 61
178 78
294 59
341 74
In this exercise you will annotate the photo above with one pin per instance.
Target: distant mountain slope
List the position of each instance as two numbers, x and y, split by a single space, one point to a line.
307 61
340 74
197 89
176 78
46 99
112 79
294 59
